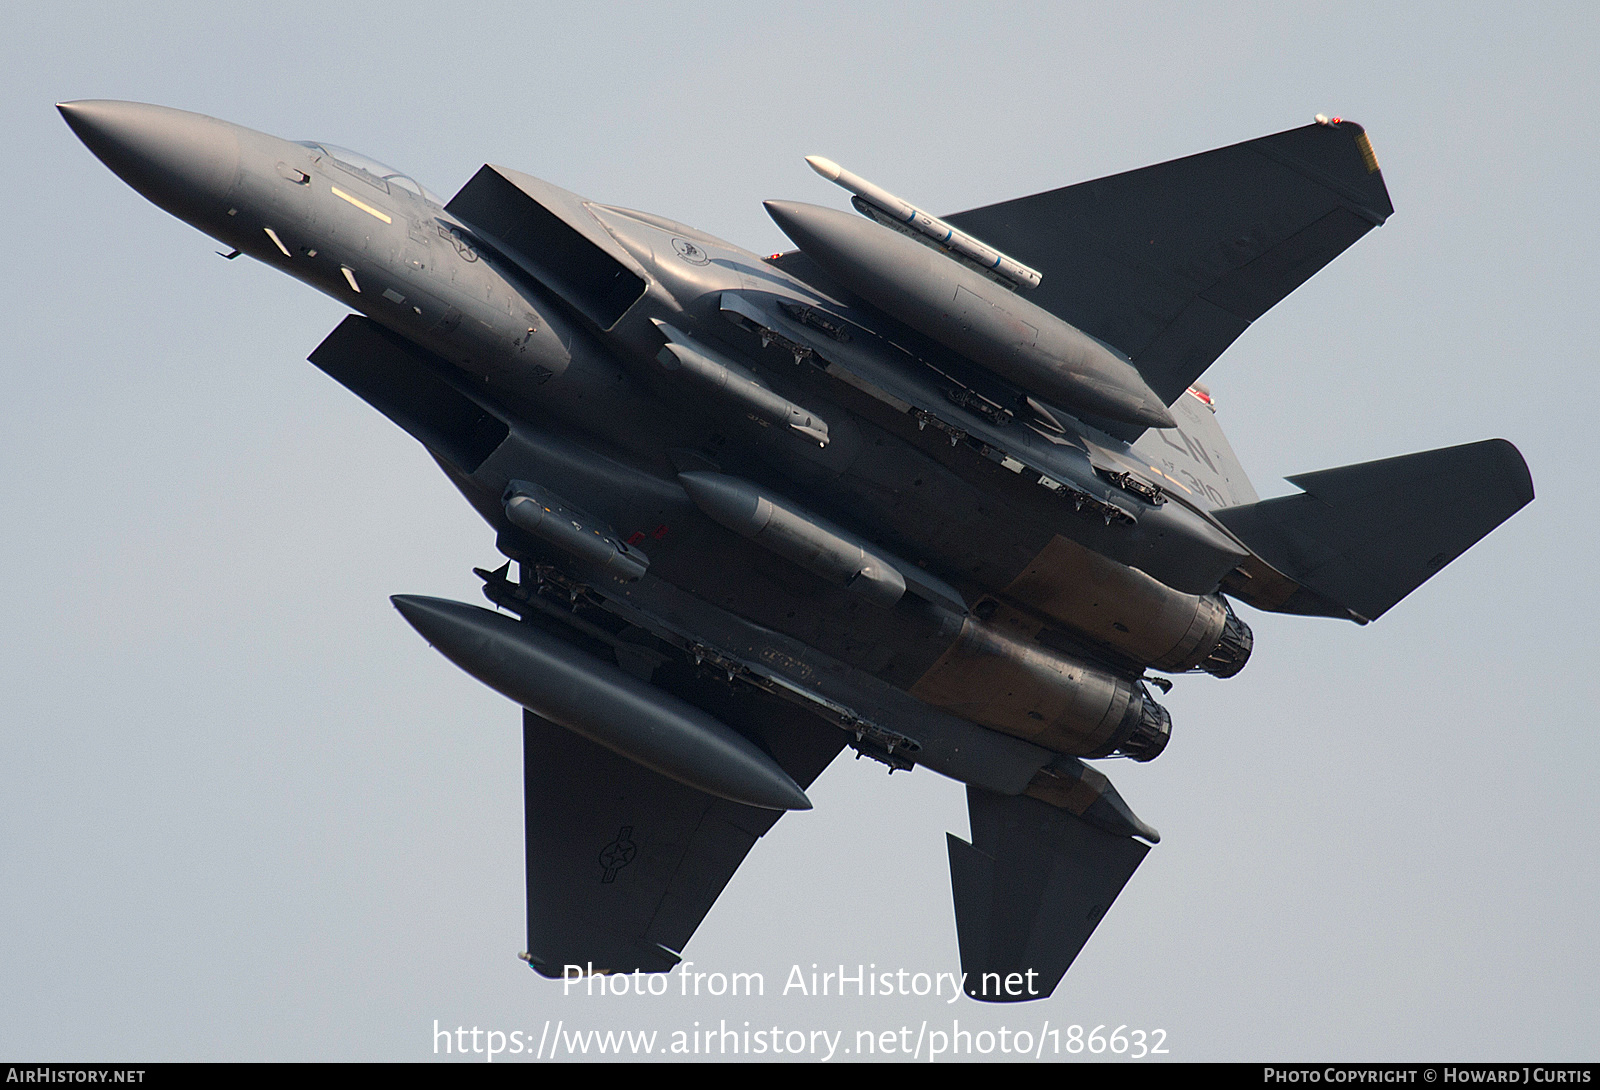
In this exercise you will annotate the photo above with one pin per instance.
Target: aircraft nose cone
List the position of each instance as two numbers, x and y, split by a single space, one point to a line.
186 163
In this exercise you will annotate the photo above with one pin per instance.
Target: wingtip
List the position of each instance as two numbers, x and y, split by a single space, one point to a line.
1516 466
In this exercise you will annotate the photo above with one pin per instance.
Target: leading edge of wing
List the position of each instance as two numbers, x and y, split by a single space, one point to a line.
1171 263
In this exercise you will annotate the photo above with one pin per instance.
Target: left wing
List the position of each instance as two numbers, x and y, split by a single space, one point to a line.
623 864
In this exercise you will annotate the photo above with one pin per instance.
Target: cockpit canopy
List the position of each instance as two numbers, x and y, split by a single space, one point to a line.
371 171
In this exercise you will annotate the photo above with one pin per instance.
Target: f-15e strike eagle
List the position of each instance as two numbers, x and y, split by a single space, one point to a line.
942 490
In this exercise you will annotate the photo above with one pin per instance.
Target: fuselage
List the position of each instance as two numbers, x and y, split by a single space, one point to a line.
1067 562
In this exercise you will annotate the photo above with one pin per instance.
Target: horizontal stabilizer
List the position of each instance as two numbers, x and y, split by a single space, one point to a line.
1029 891
1365 536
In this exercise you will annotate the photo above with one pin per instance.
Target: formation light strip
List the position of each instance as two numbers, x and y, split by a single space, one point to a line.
276 241
367 208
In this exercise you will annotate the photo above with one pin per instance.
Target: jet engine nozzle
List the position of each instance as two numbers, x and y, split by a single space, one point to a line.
186 163
1148 729
1024 688
1233 648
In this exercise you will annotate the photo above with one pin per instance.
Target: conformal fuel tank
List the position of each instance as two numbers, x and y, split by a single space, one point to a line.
970 313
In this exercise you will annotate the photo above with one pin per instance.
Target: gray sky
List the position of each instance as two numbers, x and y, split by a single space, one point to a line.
246 813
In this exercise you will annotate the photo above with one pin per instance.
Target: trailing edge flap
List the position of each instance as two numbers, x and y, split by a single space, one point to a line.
549 233
623 863
413 388
1365 536
1029 891
1172 262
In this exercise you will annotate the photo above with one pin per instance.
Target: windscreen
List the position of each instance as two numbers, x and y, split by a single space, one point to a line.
372 172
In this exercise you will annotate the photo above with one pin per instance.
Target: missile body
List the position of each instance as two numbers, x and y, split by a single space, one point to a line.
971 314
795 535
601 702
540 513
929 226
725 379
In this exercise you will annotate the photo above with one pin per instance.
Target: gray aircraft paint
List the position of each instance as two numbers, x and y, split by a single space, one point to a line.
1195 457
582 371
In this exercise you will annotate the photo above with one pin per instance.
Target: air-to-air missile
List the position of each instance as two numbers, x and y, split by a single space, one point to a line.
877 203
723 378
836 555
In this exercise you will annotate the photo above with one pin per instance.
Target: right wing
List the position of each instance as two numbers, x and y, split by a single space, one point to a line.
1172 262
623 864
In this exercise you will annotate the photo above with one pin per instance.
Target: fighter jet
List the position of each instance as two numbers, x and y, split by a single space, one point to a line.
943 490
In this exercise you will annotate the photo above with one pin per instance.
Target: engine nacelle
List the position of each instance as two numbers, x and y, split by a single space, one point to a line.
1126 610
1034 692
